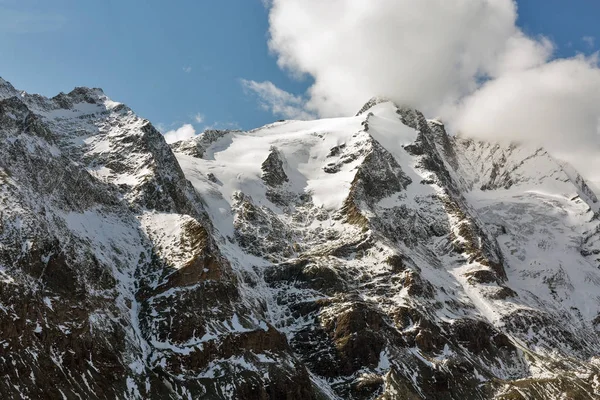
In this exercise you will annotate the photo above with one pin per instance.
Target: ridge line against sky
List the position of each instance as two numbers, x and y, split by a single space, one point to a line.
494 69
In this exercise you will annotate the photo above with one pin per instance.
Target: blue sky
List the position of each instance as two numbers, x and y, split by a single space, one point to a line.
172 61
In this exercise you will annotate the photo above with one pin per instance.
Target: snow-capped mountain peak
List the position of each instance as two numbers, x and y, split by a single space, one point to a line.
367 257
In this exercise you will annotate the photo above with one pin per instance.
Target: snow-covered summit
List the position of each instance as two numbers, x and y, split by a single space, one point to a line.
365 257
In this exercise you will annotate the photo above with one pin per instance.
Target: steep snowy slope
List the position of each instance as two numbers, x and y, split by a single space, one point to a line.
395 254
112 281
369 257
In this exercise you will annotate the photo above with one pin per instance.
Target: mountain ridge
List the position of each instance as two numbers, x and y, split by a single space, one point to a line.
368 257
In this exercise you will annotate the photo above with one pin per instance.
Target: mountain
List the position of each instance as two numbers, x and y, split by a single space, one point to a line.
369 257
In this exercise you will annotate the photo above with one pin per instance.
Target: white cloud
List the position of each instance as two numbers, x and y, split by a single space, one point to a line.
199 118
186 131
520 53
556 105
466 61
187 69
589 40
278 101
420 53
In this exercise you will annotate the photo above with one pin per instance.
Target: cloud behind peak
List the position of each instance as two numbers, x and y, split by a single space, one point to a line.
466 61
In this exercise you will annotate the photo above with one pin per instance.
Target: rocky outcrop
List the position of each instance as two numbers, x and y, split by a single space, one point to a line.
272 167
198 145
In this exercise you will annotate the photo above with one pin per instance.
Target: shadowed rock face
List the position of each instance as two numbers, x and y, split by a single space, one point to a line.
272 167
333 266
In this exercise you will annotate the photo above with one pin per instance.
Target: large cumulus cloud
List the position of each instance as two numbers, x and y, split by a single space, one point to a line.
466 61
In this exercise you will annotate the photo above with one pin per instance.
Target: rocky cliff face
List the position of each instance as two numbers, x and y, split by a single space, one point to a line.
370 257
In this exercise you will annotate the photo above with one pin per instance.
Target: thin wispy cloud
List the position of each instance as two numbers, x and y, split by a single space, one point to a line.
279 102
589 40
160 127
199 118
187 69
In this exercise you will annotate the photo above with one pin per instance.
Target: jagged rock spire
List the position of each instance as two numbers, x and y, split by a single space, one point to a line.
272 167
